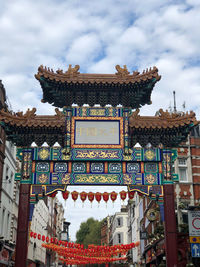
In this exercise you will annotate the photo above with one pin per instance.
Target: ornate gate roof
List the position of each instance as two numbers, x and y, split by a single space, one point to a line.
165 128
65 88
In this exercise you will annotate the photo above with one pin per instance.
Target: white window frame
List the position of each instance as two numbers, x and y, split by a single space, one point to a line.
183 166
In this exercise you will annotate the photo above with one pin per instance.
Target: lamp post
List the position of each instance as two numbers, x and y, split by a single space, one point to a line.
65 234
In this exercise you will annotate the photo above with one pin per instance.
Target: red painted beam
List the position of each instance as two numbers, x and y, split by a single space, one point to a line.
171 244
22 226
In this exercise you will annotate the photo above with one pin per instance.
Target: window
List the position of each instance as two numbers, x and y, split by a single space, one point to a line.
119 238
182 164
185 218
2 221
119 221
8 226
17 194
183 175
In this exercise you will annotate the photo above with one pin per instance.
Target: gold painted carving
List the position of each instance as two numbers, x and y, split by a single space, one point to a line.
44 153
150 178
66 178
97 154
127 179
97 112
97 178
122 72
72 72
149 154
42 178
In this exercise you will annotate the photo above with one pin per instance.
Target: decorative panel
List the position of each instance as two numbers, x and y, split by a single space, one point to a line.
97 132
115 167
151 167
133 167
79 167
97 167
60 167
42 167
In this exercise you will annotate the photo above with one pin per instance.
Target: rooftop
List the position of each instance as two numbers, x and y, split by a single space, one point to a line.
72 87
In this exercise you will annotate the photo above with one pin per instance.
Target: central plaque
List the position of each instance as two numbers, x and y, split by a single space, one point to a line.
103 133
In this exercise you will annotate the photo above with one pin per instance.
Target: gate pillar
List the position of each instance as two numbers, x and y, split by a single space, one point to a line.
22 227
171 245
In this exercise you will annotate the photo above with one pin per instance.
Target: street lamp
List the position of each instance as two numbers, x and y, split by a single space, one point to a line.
65 232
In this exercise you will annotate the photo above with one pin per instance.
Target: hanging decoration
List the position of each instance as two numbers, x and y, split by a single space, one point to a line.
65 195
98 197
83 196
75 254
140 194
123 195
53 195
113 196
131 194
74 196
105 197
91 197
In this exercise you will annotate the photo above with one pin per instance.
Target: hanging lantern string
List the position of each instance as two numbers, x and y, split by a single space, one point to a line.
78 249
76 254
91 196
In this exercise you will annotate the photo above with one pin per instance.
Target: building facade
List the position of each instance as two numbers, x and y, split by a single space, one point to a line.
36 253
119 227
8 206
105 231
187 196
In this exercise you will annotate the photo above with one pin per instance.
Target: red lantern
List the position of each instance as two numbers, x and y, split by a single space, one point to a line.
65 195
123 195
105 197
53 194
91 197
43 238
113 196
137 243
140 194
74 195
83 196
98 197
131 194
47 239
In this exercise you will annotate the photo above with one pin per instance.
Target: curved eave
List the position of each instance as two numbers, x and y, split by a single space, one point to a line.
129 95
129 90
80 78
164 120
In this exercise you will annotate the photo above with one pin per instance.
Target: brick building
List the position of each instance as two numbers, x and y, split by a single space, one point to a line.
105 231
187 195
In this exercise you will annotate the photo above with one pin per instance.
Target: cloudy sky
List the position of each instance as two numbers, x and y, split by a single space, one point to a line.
97 35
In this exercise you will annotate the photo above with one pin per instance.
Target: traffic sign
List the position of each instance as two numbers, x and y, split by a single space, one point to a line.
194 239
194 223
195 250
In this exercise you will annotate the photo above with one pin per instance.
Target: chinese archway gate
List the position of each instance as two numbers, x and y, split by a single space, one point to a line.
96 143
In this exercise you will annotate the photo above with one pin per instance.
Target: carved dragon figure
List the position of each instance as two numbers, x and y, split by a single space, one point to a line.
122 72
